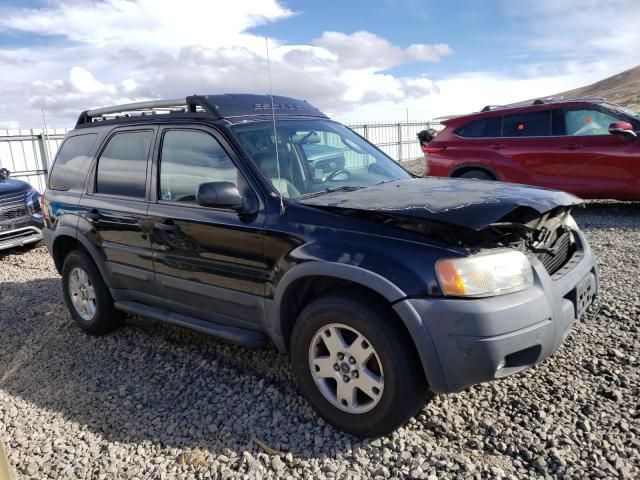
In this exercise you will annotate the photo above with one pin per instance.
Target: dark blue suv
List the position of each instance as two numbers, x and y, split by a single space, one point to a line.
218 213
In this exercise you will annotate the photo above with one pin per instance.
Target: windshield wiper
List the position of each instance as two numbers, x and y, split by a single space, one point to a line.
344 188
387 181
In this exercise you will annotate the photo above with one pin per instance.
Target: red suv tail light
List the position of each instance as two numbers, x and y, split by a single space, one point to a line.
433 149
427 150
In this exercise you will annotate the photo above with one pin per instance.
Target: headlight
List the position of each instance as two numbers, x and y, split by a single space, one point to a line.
33 205
485 275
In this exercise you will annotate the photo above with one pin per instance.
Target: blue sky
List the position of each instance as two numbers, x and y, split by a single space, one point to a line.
359 61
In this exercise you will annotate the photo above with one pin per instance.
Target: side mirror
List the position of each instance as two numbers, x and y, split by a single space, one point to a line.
4 172
225 195
624 129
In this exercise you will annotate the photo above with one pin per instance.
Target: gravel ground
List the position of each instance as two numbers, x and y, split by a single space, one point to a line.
156 401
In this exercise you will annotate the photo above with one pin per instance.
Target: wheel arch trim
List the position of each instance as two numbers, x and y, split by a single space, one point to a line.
94 253
397 299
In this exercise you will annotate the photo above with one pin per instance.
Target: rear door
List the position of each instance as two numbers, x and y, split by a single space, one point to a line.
208 262
113 211
527 142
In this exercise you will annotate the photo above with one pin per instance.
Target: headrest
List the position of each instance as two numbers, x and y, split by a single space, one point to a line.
266 162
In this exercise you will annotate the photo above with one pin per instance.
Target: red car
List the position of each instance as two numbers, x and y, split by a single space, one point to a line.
588 147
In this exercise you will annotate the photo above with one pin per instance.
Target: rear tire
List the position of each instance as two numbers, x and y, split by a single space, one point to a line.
87 297
356 367
477 174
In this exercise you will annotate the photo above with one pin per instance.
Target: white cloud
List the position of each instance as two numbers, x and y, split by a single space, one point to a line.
583 28
163 24
364 50
128 50
118 51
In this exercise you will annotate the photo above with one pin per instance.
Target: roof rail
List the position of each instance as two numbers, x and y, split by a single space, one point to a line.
542 101
488 108
192 104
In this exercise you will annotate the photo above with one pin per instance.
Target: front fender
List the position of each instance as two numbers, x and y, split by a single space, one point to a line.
412 322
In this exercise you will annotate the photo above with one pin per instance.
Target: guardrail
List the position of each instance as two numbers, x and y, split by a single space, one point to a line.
29 153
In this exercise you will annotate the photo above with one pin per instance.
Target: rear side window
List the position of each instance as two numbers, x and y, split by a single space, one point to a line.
72 162
486 127
122 167
527 124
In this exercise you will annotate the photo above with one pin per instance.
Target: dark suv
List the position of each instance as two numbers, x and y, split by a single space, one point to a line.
207 213
20 219
585 146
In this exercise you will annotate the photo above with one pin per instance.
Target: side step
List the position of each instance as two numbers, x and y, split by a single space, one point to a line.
241 336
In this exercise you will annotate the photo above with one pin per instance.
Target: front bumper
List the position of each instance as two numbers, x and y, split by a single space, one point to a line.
467 341
22 232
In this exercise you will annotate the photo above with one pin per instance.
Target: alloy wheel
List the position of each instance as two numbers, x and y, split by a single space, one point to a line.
346 368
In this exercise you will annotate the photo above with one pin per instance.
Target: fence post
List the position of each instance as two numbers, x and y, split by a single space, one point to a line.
399 142
43 152
366 131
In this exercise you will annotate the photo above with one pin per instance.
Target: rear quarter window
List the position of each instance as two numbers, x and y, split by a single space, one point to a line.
72 162
485 127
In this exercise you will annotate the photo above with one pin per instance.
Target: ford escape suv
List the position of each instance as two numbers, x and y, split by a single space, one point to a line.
585 146
20 219
213 213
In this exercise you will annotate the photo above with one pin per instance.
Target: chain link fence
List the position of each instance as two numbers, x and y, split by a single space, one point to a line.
28 153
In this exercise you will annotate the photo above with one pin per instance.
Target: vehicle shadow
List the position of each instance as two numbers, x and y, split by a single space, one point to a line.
150 382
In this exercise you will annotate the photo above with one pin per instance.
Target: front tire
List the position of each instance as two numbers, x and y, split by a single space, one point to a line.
86 295
356 367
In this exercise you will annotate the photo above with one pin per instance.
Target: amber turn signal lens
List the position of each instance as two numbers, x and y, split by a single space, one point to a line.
450 279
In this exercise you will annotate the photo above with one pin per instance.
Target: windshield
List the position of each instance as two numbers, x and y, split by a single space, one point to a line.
629 112
626 111
315 156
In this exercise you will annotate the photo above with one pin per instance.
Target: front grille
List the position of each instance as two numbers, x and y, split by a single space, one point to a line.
562 248
12 206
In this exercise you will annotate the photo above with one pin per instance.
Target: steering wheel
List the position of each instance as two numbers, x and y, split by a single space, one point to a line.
335 173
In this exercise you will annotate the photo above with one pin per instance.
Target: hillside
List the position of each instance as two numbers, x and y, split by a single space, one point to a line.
623 89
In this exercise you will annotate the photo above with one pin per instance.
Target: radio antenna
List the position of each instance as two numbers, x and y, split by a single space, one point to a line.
275 131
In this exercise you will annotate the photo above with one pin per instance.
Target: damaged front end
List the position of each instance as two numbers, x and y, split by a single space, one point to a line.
547 236
475 215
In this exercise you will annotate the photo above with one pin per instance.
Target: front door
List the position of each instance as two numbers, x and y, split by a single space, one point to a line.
208 262
599 164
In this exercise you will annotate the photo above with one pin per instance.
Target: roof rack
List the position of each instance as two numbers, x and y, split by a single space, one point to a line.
227 106
193 104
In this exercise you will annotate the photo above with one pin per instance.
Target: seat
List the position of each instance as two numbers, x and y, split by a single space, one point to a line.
267 163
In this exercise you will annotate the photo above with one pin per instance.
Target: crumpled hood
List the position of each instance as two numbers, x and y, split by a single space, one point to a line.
12 185
470 203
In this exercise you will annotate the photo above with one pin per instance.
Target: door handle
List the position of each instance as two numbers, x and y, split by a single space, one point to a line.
93 215
497 146
570 146
166 226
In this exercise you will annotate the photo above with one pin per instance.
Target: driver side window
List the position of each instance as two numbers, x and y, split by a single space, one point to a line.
579 122
189 158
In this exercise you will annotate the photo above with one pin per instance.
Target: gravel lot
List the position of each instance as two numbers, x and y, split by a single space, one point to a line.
156 401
